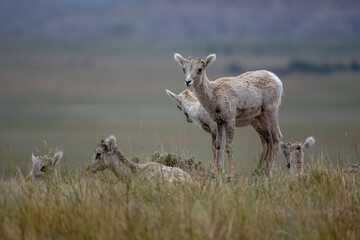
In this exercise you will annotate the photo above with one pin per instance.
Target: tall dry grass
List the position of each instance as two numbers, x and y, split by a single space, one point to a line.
322 204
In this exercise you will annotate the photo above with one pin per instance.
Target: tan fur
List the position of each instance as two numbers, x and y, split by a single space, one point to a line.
108 156
252 98
294 154
192 109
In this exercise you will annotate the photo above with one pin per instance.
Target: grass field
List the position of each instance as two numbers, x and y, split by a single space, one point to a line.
323 204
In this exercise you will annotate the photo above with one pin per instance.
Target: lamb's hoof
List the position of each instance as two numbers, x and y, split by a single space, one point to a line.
213 173
259 171
230 175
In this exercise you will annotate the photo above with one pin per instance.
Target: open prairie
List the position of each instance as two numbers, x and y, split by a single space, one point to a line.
72 95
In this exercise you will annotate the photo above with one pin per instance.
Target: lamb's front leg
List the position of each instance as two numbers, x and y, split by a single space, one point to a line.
220 144
230 130
215 153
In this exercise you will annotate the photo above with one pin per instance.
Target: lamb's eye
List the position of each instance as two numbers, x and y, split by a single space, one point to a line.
184 70
43 169
199 71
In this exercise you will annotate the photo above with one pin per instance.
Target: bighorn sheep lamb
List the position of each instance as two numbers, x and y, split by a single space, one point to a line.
194 112
108 156
354 168
45 165
294 154
250 98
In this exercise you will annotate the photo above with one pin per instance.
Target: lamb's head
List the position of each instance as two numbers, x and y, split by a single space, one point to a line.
194 69
184 100
45 165
104 156
294 154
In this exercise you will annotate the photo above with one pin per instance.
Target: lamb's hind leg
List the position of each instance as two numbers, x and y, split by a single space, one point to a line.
264 144
271 116
261 126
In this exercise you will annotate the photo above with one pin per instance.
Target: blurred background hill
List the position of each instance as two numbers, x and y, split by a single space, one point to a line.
166 20
72 72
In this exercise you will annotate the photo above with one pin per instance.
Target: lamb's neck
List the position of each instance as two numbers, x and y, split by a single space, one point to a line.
203 92
191 109
297 169
125 161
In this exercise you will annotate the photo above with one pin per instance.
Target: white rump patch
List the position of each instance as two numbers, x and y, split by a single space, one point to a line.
279 83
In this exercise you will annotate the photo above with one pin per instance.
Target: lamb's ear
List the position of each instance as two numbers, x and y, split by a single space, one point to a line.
57 157
210 59
171 94
179 59
283 146
33 158
308 142
103 145
111 142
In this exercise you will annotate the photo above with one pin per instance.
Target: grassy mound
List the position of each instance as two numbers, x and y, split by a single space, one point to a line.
173 160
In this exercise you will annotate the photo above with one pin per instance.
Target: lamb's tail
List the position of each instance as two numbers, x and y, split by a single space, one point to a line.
222 147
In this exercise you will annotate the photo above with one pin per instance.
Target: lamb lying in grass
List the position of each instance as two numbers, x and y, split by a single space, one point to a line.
108 156
354 168
45 165
294 153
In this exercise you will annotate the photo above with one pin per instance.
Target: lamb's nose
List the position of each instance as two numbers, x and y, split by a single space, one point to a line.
187 82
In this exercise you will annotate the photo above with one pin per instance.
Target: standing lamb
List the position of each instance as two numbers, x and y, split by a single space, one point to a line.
250 98
108 156
294 154
45 165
